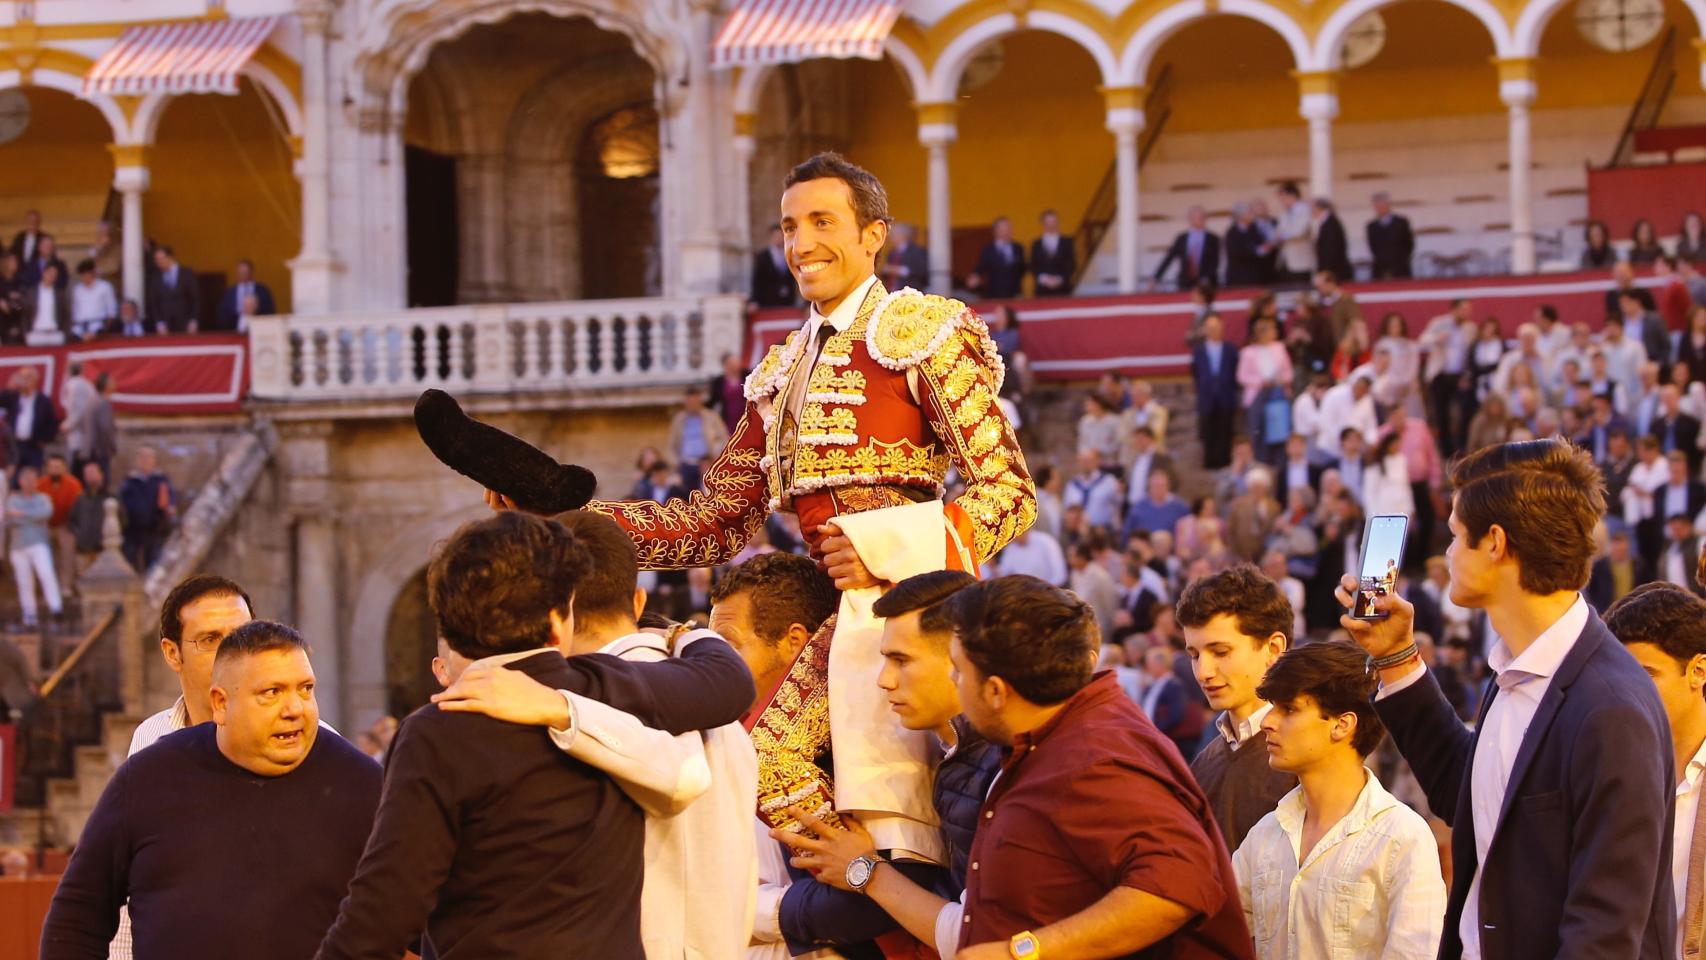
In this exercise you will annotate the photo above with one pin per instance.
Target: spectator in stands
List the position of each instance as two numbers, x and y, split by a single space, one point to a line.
1004 330
1484 356
1035 553
1490 425
1597 253
1054 262
1386 489
1691 346
1406 355
1391 244
62 490
150 506
1644 246
1270 249
908 264
1624 359
87 518
1527 354
772 283
1691 239
77 396
1159 509
1000 273
1616 573
1341 308
31 416
1264 373
1099 430
1246 260
28 511
727 394
1676 431
1641 324
107 252
130 322
1167 703
245 286
12 290
1595 436
1306 413
1332 247
1094 585
1145 458
1689 270
1197 251
102 442
1674 297
1094 491
1214 370
47 308
1250 517
1347 406
94 306
695 436
1680 557
1295 233
1622 280
24 242
1353 352
659 484
47 255
1050 510
174 294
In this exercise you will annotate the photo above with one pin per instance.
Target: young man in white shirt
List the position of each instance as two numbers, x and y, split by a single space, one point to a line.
93 304
1340 866
1664 627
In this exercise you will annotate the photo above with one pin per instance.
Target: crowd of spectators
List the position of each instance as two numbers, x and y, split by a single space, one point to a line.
45 301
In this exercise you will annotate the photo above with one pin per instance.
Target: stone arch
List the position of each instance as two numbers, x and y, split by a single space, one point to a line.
1531 25
944 78
365 687
1331 37
542 141
146 124
1149 38
66 81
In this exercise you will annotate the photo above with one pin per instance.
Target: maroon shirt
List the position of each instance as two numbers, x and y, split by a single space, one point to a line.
1092 800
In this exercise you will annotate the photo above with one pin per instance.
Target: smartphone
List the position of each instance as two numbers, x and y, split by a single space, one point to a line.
1382 552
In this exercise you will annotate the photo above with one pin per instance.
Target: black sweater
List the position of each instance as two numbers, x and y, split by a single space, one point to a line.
1241 787
217 862
502 846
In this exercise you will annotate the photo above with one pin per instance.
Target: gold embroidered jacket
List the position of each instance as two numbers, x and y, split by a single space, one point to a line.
908 389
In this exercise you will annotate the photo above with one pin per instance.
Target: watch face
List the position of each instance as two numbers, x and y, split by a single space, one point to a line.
859 873
1024 945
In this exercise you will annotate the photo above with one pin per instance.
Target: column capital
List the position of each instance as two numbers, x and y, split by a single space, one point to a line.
1125 121
943 114
1317 82
1123 98
315 16
745 124
129 154
1318 106
1514 68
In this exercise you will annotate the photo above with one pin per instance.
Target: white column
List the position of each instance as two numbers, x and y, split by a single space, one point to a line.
1125 123
1518 96
701 253
130 179
746 146
937 131
1320 109
311 271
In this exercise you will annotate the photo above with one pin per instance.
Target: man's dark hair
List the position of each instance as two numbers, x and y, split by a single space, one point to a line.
870 200
606 591
1339 676
1549 312
1044 475
1664 615
1458 302
1289 188
258 636
929 593
1629 293
85 265
188 591
166 249
1328 276
1254 601
494 584
246 262
1207 290
1547 495
103 382
784 589
1039 638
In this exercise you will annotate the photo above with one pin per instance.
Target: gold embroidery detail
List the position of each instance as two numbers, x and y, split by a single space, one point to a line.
825 380
911 324
973 407
815 419
902 460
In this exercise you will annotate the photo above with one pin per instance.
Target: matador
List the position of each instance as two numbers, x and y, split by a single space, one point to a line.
852 424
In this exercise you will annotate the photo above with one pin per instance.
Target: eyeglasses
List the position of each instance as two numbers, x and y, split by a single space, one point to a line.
205 644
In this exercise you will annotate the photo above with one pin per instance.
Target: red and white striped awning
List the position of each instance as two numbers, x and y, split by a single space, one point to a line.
787 31
198 56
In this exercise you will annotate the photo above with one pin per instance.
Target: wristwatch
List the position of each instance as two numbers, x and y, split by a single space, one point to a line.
860 870
1025 946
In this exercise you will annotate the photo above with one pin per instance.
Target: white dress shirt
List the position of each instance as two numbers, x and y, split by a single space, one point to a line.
1340 409
92 305
1522 681
1370 887
47 306
1682 838
1235 733
1036 553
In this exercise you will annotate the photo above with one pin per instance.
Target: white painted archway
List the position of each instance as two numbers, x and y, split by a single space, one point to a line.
1330 41
943 83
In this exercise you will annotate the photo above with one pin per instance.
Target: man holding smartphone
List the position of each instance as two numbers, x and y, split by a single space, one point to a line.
1560 798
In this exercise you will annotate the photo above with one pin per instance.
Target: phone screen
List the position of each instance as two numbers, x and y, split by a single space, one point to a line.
1382 552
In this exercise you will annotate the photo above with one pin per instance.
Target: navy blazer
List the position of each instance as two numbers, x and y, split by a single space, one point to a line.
1215 390
1579 864
230 309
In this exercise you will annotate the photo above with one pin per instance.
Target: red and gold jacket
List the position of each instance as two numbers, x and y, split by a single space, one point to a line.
908 389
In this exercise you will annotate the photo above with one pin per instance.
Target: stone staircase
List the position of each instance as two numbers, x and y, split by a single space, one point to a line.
1050 435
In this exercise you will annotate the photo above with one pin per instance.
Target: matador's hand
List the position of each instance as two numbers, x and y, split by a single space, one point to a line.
841 560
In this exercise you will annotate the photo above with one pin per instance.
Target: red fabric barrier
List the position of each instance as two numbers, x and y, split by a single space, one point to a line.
8 764
1079 338
204 373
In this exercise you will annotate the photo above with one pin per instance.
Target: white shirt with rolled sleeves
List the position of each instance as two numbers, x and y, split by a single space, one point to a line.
1370 887
699 791
1523 681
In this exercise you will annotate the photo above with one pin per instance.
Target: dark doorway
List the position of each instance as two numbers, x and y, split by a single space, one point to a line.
617 182
411 641
433 237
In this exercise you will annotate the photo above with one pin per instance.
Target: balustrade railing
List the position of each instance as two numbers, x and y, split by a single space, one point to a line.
492 348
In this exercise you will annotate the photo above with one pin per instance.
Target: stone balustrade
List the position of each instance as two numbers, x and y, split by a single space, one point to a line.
492 348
